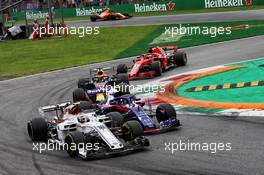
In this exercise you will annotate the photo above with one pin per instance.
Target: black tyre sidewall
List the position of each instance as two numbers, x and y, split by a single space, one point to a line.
180 58
76 138
116 119
121 68
37 129
132 129
156 66
169 112
79 95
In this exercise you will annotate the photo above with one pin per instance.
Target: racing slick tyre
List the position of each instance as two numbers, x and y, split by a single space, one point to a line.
74 140
112 17
37 129
164 112
116 119
93 18
122 78
121 68
85 83
132 129
126 14
85 105
157 68
122 89
180 58
79 95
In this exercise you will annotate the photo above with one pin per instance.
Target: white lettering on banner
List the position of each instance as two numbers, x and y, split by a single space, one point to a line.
150 8
222 3
87 12
36 15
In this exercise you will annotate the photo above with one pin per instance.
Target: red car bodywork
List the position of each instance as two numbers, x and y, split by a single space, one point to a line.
154 54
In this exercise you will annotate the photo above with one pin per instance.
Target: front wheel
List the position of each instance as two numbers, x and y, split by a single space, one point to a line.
180 58
116 119
132 129
74 141
37 129
165 112
156 66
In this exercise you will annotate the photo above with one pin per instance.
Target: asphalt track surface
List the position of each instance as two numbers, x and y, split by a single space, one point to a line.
177 19
20 99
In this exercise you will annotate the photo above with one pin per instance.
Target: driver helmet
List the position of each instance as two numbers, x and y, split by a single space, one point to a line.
124 102
82 119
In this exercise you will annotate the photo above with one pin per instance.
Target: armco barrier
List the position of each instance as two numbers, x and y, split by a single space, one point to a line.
161 6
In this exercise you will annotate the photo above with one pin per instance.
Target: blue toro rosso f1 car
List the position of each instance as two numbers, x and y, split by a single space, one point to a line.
127 107
132 108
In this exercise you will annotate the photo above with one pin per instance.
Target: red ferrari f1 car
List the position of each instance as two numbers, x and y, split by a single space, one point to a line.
155 62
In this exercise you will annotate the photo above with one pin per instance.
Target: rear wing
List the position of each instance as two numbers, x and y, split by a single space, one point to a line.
42 110
107 69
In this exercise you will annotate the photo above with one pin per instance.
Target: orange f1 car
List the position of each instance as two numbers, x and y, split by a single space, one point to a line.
108 15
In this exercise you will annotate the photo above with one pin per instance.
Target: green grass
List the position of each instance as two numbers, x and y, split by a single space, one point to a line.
25 57
257 28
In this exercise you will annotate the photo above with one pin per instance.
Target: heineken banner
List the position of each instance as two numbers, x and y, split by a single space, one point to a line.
162 6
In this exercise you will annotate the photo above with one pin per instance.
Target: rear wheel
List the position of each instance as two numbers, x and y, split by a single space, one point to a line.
122 78
74 141
85 83
112 17
122 89
116 119
132 129
164 112
126 14
157 68
85 105
180 58
37 129
79 95
93 18
121 68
